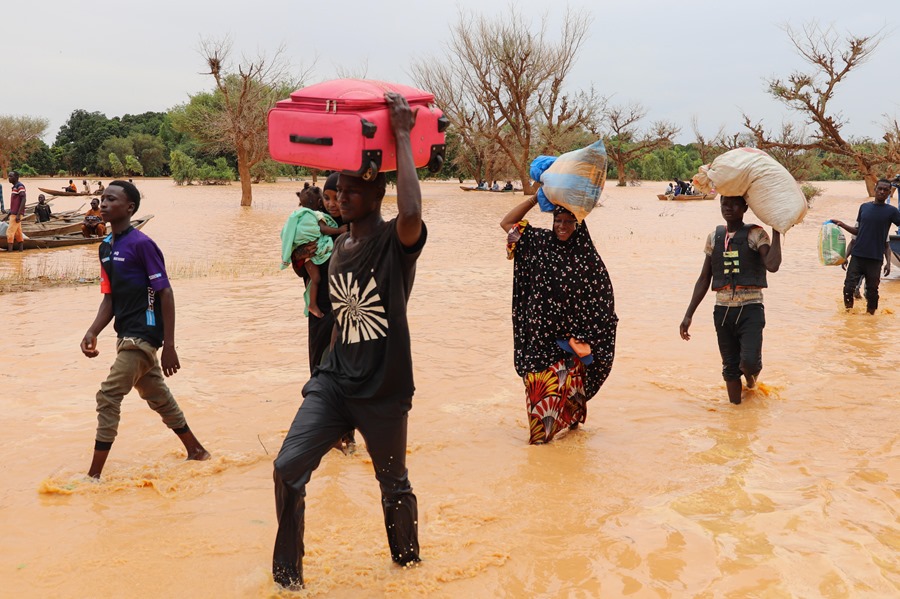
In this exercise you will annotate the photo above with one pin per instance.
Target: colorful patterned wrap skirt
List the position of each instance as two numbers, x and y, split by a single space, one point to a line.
555 399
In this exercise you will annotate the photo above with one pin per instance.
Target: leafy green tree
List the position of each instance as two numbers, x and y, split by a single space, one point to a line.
41 158
133 165
80 138
26 171
120 147
266 170
148 123
16 133
183 167
116 168
217 173
151 152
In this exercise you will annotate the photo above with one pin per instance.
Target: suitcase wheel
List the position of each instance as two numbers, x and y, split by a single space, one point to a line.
436 163
371 172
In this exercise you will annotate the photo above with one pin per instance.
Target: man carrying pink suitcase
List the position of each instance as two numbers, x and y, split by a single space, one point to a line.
366 382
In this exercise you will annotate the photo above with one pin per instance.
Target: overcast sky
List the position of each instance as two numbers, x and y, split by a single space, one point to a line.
703 58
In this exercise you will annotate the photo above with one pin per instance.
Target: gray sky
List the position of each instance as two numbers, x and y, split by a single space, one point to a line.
706 58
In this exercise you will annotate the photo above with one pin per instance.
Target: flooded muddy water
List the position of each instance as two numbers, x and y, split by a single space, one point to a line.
667 490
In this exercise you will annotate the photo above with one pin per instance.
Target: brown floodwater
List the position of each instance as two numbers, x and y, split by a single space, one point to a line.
667 491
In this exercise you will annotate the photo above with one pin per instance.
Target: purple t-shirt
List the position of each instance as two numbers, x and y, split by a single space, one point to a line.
133 271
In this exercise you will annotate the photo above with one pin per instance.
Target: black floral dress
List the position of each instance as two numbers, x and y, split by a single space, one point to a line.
561 290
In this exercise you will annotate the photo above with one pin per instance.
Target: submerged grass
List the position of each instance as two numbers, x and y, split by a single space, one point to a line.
46 275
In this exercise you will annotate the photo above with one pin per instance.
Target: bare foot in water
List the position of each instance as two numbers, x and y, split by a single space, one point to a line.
195 451
200 456
751 381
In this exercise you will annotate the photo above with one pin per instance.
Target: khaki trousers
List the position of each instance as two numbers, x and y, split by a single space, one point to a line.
137 367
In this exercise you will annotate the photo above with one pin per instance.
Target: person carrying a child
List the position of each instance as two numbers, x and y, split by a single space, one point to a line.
305 225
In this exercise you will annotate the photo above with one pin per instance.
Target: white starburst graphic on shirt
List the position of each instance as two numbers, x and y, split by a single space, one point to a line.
359 314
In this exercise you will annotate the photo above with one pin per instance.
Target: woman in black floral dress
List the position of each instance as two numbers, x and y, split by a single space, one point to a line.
564 319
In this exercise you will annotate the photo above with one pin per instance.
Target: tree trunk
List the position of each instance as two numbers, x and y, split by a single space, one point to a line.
529 187
868 174
620 173
244 174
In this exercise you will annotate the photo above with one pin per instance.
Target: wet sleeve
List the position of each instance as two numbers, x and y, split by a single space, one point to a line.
758 238
154 265
710 242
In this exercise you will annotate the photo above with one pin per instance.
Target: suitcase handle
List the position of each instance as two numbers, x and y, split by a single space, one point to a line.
315 141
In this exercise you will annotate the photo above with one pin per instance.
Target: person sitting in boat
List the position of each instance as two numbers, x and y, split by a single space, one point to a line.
670 189
678 188
87 187
495 186
70 188
100 187
93 225
508 186
482 185
42 210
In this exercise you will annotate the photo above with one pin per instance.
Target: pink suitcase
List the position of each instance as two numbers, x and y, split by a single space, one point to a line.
343 125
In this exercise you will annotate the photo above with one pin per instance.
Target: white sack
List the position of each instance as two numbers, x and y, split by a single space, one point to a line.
771 192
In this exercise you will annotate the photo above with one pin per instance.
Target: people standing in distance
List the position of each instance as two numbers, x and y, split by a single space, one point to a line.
42 211
14 238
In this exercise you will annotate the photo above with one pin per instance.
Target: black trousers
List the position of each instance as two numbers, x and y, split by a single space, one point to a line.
323 417
740 333
863 268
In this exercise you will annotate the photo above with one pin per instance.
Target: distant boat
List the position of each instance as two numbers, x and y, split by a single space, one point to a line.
686 198
58 241
464 188
61 193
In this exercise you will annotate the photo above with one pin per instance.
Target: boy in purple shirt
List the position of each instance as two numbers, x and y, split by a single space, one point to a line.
136 292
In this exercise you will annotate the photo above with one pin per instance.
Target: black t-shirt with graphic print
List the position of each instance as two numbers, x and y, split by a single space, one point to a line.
369 287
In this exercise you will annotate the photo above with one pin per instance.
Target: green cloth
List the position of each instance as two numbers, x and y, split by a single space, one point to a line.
302 226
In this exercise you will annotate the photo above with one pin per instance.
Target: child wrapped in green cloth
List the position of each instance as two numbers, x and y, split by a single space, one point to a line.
304 225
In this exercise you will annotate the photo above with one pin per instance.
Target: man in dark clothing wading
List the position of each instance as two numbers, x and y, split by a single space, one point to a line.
873 225
366 382
737 258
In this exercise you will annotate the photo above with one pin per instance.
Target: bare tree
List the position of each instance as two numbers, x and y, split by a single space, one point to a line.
788 147
502 87
892 139
234 120
624 139
17 134
721 142
831 59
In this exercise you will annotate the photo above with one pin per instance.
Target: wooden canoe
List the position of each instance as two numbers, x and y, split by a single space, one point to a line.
52 227
67 194
58 241
684 198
